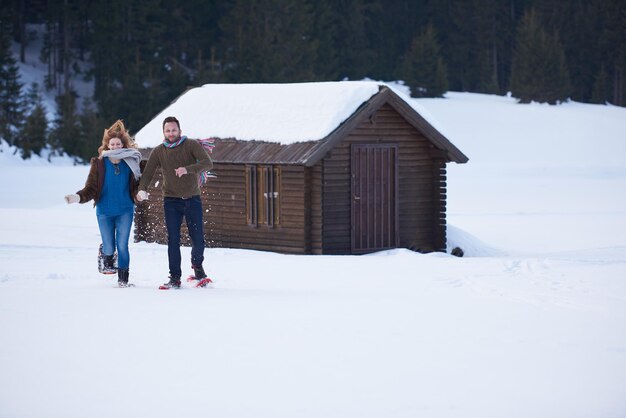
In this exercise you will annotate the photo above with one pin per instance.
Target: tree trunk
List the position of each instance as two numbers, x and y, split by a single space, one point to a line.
22 31
66 48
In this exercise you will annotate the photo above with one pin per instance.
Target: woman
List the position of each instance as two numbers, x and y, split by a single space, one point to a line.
112 184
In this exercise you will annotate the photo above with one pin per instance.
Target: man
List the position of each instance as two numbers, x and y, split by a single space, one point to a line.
181 160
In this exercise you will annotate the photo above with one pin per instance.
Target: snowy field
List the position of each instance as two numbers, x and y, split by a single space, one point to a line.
531 323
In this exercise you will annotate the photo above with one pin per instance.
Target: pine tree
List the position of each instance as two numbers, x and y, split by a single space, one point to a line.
580 29
34 135
324 31
65 135
269 41
197 43
423 68
476 38
354 47
539 70
58 38
11 97
612 46
390 31
89 131
140 63
602 87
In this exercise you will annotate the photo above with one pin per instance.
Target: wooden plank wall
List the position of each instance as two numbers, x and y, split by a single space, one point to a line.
315 209
439 199
421 185
315 202
224 204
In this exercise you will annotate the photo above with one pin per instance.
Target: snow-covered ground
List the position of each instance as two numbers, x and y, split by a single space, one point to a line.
531 323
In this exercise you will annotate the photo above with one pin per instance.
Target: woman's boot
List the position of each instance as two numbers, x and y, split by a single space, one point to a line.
109 264
122 278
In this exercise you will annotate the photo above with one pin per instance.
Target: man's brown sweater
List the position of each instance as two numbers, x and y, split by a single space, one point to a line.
189 154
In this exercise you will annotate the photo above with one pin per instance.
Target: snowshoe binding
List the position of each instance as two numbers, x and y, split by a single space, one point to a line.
199 277
174 283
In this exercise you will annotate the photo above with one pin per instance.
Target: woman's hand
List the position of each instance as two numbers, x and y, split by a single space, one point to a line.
72 198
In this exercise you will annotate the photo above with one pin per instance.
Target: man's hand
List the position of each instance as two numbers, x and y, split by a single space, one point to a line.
142 195
181 171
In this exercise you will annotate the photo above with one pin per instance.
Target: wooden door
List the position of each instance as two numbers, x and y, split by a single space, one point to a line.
374 187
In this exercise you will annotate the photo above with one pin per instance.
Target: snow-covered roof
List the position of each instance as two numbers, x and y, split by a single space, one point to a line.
283 113
284 117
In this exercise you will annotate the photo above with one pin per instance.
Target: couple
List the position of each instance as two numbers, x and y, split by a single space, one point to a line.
115 183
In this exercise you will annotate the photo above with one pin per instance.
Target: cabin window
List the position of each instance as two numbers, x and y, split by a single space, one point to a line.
263 195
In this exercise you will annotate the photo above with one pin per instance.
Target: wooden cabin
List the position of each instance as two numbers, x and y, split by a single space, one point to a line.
376 181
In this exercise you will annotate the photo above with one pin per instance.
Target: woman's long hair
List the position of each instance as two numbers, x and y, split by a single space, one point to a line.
117 130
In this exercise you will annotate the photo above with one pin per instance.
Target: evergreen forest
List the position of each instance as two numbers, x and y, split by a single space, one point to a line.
142 54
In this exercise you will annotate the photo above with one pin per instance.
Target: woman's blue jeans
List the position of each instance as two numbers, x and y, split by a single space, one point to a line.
115 232
191 209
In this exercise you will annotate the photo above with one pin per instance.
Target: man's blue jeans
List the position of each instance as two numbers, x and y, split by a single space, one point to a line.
115 232
175 209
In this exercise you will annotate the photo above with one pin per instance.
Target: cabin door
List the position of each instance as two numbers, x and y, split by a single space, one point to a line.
374 188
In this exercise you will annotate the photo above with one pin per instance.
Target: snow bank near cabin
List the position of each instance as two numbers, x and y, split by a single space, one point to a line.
471 246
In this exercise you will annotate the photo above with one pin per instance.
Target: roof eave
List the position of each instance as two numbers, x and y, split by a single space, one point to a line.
417 121
385 95
362 113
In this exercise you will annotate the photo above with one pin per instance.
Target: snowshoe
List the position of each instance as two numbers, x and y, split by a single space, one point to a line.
199 277
174 283
199 282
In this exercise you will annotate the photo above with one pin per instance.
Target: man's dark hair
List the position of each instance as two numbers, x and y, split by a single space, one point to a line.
171 119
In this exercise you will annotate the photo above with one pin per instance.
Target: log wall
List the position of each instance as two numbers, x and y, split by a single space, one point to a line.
224 205
421 184
315 202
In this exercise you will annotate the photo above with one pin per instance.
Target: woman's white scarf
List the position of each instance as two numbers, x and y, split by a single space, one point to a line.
130 155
